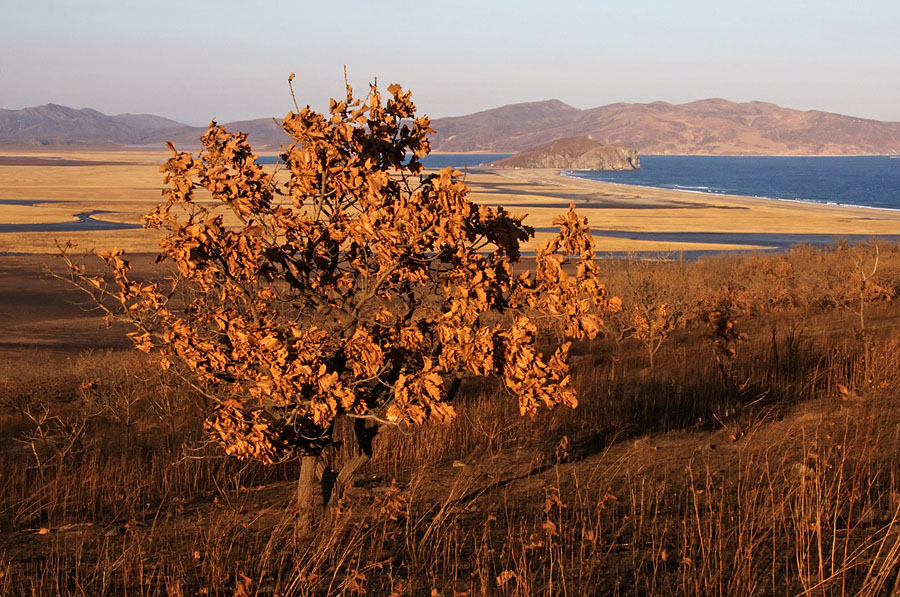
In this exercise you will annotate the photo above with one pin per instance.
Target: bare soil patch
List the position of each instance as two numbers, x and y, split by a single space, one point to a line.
22 160
39 313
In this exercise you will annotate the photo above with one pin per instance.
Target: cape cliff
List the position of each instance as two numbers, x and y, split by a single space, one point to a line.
574 153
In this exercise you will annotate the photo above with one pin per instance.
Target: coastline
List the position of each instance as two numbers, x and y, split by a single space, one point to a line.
568 174
630 208
660 220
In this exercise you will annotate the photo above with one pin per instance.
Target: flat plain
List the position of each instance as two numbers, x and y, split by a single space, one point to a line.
41 187
119 186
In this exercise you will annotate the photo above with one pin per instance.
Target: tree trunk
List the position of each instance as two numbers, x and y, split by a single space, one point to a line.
345 478
317 486
365 435
308 500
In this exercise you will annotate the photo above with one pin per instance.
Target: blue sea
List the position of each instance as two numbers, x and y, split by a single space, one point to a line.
435 160
867 181
461 160
864 181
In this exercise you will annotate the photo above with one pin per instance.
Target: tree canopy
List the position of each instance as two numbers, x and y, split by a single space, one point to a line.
349 282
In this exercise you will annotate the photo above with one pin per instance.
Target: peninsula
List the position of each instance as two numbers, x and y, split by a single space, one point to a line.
573 153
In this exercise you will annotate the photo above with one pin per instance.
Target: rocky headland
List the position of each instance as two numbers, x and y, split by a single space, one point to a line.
573 153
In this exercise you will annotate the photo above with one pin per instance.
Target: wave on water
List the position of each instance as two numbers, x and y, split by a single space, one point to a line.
697 188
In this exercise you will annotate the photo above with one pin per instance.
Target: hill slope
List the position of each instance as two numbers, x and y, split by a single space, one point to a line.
712 126
52 124
55 125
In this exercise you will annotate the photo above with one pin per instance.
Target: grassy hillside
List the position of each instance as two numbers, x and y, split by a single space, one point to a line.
753 459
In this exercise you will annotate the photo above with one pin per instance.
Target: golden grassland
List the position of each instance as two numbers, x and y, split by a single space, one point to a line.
127 189
773 472
685 470
123 192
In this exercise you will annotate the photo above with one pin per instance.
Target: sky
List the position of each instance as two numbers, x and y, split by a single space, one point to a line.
229 60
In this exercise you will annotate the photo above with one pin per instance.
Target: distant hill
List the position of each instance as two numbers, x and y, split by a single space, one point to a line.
712 126
52 124
574 153
510 127
55 125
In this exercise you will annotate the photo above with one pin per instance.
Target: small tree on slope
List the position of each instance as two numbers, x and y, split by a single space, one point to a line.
351 286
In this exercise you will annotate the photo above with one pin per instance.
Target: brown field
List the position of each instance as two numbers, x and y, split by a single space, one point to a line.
774 472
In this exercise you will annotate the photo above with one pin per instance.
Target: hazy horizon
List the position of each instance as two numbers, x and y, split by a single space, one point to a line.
192 62
263 116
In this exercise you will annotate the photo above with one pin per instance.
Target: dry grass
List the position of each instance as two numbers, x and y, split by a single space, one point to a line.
774 473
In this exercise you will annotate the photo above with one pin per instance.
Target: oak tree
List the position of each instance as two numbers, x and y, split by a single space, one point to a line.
348 284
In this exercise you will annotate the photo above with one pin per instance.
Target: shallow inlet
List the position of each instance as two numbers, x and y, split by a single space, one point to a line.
86 221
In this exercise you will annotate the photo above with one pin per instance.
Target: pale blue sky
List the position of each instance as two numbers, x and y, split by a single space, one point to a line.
193 61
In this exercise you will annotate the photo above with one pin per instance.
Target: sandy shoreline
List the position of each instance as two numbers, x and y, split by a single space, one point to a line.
612 206
125 184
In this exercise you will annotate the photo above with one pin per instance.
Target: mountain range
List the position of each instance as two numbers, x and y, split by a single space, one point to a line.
711 126
53 125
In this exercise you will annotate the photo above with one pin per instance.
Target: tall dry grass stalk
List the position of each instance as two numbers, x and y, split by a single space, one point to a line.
776 474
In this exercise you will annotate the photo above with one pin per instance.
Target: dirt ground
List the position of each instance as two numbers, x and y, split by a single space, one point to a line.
40 313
